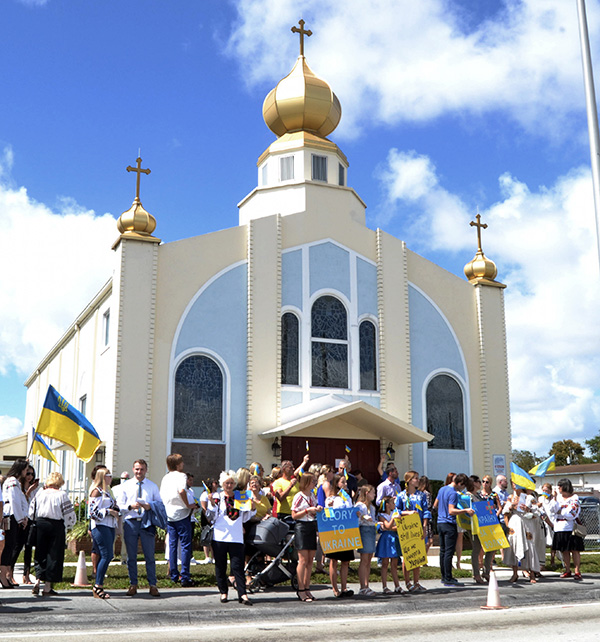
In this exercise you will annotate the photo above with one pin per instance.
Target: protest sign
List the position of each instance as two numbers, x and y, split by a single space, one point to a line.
487 527
338 529
410 534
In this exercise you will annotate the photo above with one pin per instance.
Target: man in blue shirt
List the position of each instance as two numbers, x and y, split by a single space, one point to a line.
447 501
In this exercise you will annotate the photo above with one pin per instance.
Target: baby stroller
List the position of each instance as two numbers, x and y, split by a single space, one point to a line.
275 539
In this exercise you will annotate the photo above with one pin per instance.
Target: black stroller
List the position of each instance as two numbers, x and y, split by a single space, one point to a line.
275 539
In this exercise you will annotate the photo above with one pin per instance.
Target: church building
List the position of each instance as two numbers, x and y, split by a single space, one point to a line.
301 327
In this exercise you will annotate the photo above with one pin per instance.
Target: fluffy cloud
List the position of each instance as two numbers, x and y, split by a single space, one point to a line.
10 427
423 60
51 264
543 241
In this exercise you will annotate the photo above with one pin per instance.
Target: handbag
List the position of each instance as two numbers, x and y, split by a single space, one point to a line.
32 529
206 535
579 529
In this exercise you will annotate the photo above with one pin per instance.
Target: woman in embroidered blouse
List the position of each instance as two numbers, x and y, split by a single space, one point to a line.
565 510
304 512
104 512
228 536
522 550
53 512
408 502
16 511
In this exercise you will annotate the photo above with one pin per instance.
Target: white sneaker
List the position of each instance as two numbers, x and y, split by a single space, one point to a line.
194 561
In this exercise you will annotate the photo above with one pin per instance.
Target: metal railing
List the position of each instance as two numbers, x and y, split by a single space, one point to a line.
590 516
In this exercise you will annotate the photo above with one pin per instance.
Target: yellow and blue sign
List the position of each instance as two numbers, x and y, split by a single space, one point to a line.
338 530
61 421
412 542
487 527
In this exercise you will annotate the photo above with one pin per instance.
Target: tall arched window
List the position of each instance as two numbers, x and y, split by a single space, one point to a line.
198 400
329 331
368 355
445 415
290 349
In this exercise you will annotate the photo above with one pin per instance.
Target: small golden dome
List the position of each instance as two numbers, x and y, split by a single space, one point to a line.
302 102
481 268
136 220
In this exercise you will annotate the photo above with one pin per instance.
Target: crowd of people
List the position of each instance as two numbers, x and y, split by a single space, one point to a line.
36 517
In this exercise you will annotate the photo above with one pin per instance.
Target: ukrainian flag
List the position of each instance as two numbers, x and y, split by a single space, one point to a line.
61 421
41 448
544 467
520 478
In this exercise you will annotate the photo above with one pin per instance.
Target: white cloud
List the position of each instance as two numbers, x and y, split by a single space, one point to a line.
420 62
544 244
10 427
51 264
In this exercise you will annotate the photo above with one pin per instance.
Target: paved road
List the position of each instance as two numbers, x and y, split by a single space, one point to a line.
191 614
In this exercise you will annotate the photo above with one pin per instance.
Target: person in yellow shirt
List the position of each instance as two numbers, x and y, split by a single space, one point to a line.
286 487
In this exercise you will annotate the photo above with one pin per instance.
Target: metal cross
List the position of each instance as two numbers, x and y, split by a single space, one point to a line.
138 170
302 34
479 225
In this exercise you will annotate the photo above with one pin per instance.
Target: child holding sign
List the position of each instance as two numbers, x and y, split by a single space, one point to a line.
368 532
338 497
388 546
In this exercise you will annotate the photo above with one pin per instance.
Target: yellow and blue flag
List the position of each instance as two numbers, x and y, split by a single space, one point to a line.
41 448
348 449
544 467
242 499
520 478
61 421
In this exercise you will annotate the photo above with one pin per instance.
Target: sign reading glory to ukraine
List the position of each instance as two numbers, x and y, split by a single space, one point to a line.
487 526
338 529
410 534
61 421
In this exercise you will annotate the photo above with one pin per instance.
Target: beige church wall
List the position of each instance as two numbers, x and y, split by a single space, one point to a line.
184 267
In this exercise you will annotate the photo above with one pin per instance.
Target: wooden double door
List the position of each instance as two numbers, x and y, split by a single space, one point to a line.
364 454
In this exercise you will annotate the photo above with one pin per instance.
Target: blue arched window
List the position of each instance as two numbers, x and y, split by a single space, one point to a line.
329 346
290 349
368 355
445 414
198 400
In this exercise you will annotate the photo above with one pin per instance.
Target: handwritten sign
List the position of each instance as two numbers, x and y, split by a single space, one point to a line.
410 534
338 530
487 527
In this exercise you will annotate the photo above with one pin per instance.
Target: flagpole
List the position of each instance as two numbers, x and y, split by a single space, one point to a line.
592 113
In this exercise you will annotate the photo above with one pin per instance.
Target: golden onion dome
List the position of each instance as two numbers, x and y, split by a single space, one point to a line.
136 220
302 102
481 268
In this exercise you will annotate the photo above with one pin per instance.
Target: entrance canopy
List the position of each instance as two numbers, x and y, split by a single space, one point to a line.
351 420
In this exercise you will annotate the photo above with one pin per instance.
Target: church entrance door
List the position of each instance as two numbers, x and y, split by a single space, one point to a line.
365 453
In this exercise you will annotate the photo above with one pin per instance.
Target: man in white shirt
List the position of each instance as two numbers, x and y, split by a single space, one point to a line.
173 491
501 489
135 496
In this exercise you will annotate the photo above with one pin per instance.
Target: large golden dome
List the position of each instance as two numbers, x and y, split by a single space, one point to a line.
302 102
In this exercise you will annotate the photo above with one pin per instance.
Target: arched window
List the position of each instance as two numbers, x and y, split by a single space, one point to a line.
290 349
329 331
368 356
198 400
445 416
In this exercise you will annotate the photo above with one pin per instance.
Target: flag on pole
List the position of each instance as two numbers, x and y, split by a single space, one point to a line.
520 478
41 448
348 449
61 421
544 467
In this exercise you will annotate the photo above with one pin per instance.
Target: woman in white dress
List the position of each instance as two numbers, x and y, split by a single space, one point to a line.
518 515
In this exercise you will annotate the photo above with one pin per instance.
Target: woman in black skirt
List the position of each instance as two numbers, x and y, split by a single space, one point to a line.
304 511
565 509
53 512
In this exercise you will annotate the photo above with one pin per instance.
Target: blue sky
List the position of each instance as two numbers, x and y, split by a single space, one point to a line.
448 106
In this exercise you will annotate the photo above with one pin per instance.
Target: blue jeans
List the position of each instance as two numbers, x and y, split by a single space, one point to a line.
104 536
132 531
180 531
448 536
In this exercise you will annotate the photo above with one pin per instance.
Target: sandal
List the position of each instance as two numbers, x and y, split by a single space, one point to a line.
514 578
387 591
99 592
35 590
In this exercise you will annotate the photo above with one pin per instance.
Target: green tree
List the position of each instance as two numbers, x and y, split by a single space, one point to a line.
593 445
568 452
525 459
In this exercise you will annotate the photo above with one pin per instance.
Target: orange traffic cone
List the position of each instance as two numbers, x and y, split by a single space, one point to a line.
81 572
493 596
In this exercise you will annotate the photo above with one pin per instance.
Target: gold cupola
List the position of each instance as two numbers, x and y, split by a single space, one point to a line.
136 222
302 101
481 270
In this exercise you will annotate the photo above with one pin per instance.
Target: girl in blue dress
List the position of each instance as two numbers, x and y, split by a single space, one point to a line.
388 546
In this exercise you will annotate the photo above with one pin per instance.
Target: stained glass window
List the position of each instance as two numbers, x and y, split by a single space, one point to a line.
368 356
329 343
445 418
198 399
290 349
